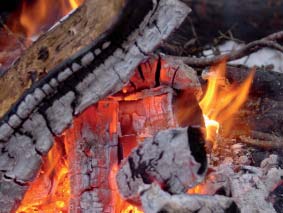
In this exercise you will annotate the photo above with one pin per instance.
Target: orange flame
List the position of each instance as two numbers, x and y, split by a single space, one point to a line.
222 100
121 206
50 192
39 16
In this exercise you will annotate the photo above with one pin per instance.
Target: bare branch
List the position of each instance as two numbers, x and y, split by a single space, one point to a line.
269 41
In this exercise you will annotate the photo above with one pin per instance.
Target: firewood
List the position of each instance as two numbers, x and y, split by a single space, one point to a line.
92 148
173 158
60 43
266 83
74 83
262 114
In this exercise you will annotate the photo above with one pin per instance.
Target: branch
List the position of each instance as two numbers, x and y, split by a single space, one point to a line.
263 140
269 41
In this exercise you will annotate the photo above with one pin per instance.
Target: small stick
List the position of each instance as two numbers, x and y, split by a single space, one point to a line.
269 41
263 140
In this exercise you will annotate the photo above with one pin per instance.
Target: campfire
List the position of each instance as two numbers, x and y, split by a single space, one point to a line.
108 113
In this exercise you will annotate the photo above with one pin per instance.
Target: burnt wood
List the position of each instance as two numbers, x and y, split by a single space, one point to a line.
173 158
259 121
43 110
263 111
73 34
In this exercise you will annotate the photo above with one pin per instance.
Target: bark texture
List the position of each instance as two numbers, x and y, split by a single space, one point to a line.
82 27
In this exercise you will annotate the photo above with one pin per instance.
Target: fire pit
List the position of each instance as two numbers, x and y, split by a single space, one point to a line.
109 114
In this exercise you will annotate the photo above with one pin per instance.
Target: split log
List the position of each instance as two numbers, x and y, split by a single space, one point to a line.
215 21
92 147
70 86
156 200
143 114
174 158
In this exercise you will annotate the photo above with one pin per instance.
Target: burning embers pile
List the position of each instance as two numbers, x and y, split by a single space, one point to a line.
143 149
121 153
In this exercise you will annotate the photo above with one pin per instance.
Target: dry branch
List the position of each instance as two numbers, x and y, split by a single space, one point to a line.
269 41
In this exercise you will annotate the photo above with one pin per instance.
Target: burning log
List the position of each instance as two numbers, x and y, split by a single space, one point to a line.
76 32
143 114
173 158
263 111
69 87
266 84
92 145
156 200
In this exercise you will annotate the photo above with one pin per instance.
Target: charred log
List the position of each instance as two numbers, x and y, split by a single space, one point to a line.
92 147
266 84
100 69
174 158
262 114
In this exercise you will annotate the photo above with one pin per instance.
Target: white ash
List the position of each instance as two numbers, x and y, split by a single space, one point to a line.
156 200
166 158
60 114
248 186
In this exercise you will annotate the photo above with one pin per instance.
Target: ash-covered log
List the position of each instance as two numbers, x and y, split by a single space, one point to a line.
92 146
34 114
174 158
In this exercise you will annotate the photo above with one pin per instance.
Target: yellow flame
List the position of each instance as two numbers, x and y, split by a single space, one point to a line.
222 100
33 17
51 190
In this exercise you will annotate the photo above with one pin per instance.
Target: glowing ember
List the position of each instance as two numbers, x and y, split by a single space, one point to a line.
121 206
222 100
198 189
50 192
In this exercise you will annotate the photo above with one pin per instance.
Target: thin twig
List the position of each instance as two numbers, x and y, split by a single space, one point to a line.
269 41
263 140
